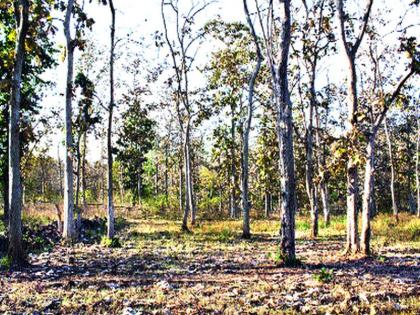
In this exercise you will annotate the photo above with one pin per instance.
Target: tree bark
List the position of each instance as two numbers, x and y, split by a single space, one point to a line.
246 230
6 172
110 205
139 187
391 163
234 176
367 195
68 226
323 187
285 137
351 48
16 251
417 163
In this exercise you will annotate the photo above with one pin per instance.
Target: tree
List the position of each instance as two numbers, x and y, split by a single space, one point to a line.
377 110
110 203
16 251
351 47
316 42
71 44
38 58
135 140
180 52
228 80
246 233
277 45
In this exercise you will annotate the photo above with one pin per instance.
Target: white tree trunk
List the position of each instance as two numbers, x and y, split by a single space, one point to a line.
367 195
68 226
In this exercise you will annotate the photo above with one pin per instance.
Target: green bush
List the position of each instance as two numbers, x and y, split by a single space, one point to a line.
324 275
110 242
5 262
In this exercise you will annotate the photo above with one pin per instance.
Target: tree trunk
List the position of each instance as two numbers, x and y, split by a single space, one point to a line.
157 191
139 187
15 250
110 212
6 173
285 136
391 162
267 204
352 244
78 180
234 176
367 195
417 163
180 186
166 173
187 179
60 171
84 204
246 231
68 226
310 187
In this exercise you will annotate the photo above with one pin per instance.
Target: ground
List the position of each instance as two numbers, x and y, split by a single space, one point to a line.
159 270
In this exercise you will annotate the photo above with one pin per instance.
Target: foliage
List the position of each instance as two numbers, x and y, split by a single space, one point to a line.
110 242
324 275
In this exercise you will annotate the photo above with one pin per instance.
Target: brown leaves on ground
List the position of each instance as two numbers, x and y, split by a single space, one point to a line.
158 272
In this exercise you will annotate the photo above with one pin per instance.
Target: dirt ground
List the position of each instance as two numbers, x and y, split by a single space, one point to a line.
159 270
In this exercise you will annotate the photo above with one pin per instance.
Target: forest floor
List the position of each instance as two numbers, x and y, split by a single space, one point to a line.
159 270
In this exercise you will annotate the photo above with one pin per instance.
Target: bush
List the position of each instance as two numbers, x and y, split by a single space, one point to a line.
6 262
110 242
324 275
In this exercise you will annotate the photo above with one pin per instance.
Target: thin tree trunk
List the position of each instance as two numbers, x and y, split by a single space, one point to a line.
60 171
246 230
187 185
157 180
78 180
15 250
166 173
234 176
139 187
367 196
84 171
267 204
188 177
180 186
68 227
323 166
391 163
6 173
418 162
110 208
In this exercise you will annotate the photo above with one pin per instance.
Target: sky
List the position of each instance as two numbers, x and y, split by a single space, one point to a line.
143 18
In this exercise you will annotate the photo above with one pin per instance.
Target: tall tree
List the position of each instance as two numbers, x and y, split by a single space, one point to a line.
375 119
277 36
180 52
246 231
110 199
15 185
68 226
351 47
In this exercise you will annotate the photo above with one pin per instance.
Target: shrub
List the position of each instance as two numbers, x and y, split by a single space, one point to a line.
324 275
110 242
5 262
